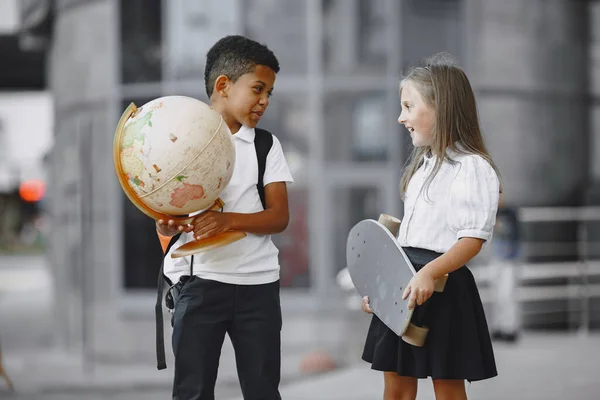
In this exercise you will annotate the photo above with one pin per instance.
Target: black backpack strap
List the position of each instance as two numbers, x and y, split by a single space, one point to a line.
263 141
161 360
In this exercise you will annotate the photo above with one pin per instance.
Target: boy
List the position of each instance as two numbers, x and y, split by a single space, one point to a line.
234 289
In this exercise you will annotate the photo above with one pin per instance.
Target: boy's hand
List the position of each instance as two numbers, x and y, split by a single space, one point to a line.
211 223
170 228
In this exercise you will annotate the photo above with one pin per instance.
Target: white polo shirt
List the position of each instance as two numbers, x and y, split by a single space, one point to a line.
254 259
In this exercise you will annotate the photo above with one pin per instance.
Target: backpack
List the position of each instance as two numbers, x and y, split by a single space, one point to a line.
263 141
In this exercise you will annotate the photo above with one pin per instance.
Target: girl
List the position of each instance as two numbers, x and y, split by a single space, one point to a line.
450 189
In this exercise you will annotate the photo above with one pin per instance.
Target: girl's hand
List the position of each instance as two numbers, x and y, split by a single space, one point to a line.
170 228
420 289
211 223
365 305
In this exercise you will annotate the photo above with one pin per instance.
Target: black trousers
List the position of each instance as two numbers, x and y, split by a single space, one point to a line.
251 314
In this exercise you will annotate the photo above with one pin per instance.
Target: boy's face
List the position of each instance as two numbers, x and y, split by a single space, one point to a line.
248 98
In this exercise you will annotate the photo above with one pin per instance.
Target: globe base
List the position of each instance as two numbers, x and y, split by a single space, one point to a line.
199 246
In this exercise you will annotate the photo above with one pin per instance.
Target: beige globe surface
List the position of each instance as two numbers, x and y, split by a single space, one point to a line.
176 154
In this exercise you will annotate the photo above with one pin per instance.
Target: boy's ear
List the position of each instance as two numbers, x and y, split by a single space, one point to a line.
222 85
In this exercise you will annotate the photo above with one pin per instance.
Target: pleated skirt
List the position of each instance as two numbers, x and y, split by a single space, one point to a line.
458 344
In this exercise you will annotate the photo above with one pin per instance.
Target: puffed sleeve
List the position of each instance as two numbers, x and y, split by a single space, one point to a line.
474 199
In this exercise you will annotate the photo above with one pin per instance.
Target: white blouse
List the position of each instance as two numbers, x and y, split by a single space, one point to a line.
461 201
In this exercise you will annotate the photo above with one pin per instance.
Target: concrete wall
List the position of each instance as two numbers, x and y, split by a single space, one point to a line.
85 207
528 66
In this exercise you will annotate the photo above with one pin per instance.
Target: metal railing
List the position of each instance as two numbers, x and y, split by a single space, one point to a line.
584 267
578 291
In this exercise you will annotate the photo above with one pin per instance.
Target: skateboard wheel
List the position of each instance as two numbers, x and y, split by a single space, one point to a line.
415 335
392 223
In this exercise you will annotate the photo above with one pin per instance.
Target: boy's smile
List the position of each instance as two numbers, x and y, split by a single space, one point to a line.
246 100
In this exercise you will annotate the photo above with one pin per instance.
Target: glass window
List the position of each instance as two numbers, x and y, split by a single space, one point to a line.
355 36
357 127
192 28
294 252
141 249
281 25
443 20
141 40
3 140
352 205
67 3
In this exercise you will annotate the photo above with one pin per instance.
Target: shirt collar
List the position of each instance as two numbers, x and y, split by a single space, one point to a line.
449 152
459 149
246 134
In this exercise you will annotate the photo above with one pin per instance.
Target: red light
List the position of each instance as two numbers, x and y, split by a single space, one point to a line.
32 190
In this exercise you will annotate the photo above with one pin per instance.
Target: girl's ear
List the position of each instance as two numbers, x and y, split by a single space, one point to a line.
221 86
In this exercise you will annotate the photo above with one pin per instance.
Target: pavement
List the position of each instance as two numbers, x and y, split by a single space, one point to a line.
541 365
40 369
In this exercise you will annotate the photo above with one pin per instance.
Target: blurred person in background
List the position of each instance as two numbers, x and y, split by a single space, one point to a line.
504 276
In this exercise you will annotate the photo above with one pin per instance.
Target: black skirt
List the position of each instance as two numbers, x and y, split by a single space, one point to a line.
458 344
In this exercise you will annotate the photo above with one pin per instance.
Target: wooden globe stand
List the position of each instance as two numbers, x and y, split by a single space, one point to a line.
194 247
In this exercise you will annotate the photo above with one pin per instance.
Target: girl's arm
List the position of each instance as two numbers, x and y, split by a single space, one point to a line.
460 254
420 288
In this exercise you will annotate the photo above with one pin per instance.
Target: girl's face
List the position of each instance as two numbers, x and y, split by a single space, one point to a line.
416 116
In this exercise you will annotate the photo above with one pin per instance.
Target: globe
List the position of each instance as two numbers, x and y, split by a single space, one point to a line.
173 156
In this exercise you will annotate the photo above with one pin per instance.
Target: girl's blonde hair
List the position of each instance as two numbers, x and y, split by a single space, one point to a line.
445 87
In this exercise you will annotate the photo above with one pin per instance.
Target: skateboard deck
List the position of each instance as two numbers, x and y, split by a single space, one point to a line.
380 269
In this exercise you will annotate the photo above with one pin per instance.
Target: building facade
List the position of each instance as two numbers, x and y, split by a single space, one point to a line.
534 66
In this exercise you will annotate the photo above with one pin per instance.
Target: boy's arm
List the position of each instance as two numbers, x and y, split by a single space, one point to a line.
273 219
270 221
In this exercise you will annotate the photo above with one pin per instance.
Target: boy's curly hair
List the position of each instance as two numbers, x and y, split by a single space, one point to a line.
234 56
